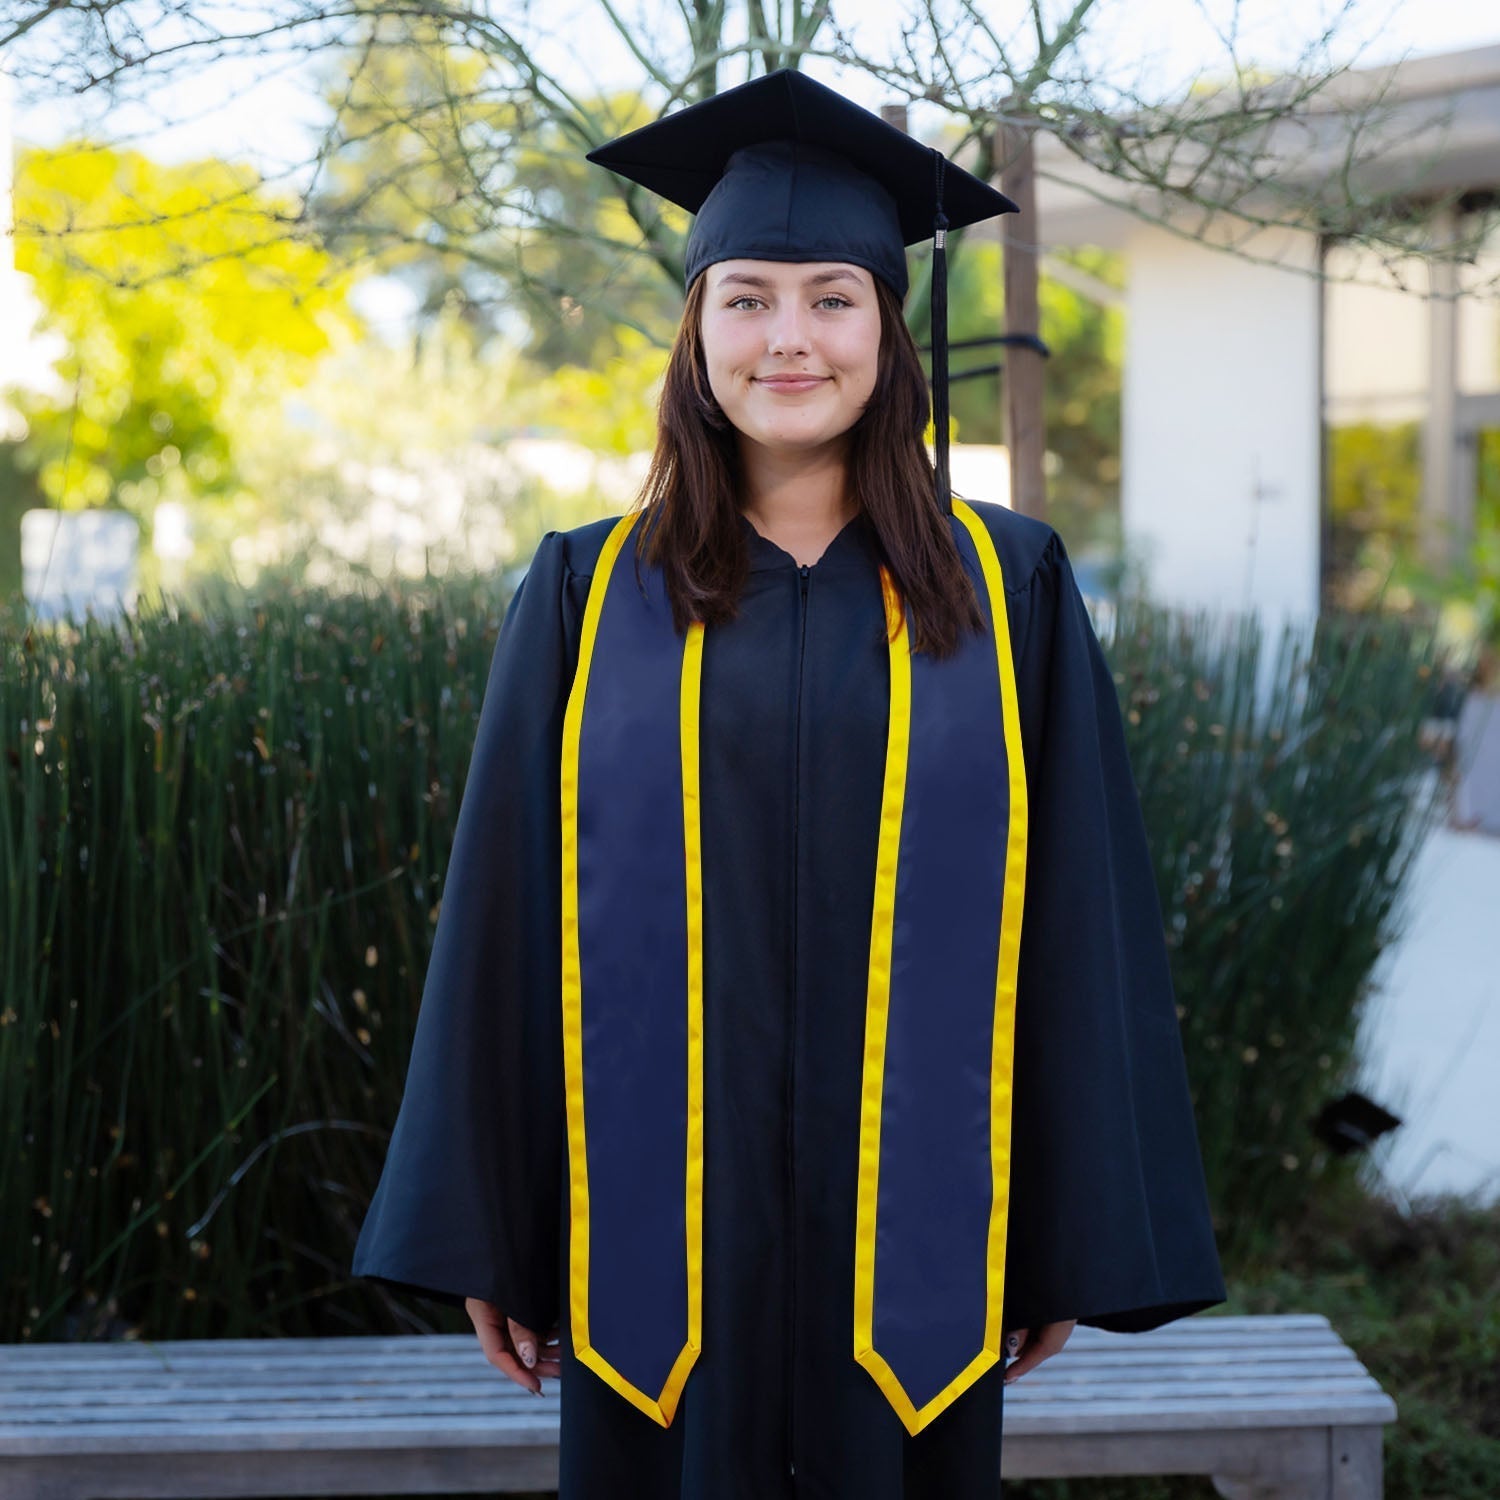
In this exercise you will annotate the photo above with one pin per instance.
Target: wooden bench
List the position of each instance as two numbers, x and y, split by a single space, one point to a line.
1268 1406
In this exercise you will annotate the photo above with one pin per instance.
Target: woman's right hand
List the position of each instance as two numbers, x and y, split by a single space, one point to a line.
506 1344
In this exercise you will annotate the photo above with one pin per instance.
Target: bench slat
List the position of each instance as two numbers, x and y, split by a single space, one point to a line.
1184 1395
1235 1330
498 1430
472 1363
29 1361
1309 1377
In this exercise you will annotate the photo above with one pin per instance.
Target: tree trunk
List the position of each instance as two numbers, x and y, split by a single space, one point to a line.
1021 385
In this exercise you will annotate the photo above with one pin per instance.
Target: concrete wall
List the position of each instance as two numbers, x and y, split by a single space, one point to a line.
1220 430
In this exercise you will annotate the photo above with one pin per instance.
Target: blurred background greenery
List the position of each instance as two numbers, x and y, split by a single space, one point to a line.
248 362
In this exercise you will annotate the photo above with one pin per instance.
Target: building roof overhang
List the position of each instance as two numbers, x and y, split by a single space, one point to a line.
1421 129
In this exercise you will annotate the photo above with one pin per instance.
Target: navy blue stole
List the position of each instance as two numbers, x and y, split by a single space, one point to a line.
934 1145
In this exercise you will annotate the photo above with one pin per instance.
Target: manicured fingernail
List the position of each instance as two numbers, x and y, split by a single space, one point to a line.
528 1354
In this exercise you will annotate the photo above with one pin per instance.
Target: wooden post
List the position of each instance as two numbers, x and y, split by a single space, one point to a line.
1021 383
1440 522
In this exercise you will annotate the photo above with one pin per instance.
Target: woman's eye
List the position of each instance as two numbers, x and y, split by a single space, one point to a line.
747 299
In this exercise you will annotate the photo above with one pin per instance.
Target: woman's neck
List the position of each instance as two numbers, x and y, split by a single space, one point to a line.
800 502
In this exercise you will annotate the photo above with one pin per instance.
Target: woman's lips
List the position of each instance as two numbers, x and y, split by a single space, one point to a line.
791 382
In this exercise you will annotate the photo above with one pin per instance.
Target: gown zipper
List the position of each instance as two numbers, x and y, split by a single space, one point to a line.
791 1109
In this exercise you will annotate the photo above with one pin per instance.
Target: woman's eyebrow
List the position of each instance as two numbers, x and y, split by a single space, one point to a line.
820 278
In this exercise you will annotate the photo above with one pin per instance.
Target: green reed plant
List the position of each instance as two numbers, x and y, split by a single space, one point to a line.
223 830
222 834
1286 790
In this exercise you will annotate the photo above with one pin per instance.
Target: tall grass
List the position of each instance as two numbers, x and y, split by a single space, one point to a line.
221 839
223 829
1286 792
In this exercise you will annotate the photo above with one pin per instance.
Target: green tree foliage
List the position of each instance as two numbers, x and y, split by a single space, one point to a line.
1374 486
183 306
189 296
1375 537
444 174
580 294
1082 395
410 460
473 192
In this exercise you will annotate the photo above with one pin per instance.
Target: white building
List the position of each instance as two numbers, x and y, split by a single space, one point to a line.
1241 370
1235 361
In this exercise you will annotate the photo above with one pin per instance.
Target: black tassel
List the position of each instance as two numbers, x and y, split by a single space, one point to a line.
939 308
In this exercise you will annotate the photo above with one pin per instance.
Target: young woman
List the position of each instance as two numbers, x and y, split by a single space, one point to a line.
798 1023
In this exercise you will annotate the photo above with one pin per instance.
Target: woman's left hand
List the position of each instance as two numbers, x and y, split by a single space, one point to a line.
1032 1346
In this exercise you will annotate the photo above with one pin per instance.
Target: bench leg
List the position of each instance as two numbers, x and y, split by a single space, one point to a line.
1355 1469
1354 1472
21 1480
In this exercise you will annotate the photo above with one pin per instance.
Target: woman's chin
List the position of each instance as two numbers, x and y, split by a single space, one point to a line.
791 439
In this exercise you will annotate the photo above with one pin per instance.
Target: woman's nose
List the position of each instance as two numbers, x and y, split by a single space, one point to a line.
788 334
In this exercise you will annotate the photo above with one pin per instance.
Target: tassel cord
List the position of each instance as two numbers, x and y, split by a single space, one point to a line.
939 312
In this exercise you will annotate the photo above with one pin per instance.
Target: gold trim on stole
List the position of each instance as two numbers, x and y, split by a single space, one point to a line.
878 994
663 1410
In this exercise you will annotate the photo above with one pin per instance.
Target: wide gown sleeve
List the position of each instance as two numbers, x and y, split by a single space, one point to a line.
469 1201
1110 1220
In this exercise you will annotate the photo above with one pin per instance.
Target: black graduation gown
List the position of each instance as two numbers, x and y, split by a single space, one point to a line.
1109 1220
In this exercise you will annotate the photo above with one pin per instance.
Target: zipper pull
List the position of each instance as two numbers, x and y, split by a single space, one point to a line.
806 569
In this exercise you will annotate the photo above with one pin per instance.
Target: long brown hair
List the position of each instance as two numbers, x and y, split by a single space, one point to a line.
694 489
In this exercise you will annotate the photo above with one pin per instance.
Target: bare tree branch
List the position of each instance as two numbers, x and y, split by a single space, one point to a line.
1244 154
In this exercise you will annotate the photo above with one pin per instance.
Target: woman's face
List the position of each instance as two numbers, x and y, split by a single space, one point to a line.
791 349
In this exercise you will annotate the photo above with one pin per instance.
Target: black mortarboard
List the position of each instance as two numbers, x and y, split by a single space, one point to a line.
784 168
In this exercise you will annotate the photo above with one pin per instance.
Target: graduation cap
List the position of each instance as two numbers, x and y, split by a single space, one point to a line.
784 168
